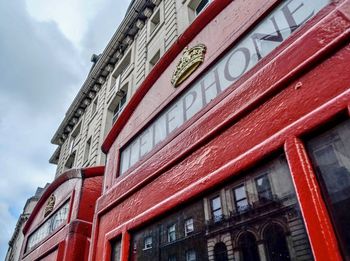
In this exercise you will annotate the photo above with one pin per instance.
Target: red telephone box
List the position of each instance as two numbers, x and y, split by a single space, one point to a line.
247 158
59 227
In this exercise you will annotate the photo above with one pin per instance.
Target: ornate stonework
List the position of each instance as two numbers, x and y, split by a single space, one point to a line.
188 63
50 205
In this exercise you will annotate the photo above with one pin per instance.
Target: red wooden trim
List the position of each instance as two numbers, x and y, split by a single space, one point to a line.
94 238
322 238
70 174
198 24
93 171
61 250
316 54
125 246
243 162
282 82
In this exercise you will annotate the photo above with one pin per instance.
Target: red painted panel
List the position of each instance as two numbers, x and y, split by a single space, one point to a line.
72 239
279 99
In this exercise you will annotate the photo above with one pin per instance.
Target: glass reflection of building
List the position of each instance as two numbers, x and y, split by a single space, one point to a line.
330 155
261 218
255 217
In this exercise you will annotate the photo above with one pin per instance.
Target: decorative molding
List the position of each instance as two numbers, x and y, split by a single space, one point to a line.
92 94
75 120
156 2
96 87
148 12
68 128
189 62
86 102
109 68
79 112
140 24
101 80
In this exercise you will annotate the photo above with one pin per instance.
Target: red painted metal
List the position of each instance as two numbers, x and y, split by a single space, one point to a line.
289 93
314 210
71 240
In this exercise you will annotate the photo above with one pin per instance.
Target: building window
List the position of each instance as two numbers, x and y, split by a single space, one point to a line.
201 6
189 227
87 150
172 258
263 188
148 243
171 233
216 210
70 161
190 255
116 250
330 155
276 243
248 247
240 198
94 106
220 252
154 60
74 138
155 21
120 105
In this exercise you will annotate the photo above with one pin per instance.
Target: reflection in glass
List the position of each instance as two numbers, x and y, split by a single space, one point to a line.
216 211
276 244
330 154
220 252
270 227
248 246
241 201
116 250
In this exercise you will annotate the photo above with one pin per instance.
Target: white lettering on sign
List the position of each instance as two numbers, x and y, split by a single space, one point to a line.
263 39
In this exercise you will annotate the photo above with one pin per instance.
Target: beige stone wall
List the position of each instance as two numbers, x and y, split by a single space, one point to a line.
149 44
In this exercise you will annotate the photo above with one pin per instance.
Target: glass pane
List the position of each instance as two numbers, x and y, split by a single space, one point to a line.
265 230
48 227
264 188
216 203
330 154
116 250
240 193
242 205
201 6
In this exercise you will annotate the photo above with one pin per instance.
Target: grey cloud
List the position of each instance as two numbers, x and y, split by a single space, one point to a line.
41 71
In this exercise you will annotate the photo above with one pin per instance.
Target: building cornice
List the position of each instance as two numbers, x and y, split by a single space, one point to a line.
97 76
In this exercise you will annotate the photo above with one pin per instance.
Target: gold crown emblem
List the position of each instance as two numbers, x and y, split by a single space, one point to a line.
189 62
50 205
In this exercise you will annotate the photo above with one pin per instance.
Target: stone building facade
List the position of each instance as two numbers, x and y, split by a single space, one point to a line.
148 30
16 241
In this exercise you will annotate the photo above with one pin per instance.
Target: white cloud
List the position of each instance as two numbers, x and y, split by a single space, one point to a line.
45 57
71 16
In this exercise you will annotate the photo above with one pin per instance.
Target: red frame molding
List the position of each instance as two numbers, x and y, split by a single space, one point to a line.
237 108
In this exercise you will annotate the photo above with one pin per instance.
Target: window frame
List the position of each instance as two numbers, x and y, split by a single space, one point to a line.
212 210
187 231
235 201
171 230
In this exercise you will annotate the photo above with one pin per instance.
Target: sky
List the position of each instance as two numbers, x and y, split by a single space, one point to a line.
45 50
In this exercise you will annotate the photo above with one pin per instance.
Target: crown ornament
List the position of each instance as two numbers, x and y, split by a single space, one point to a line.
189 62
50 205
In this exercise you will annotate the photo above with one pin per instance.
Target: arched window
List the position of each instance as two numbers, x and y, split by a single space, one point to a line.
220 252
249 249
276 243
